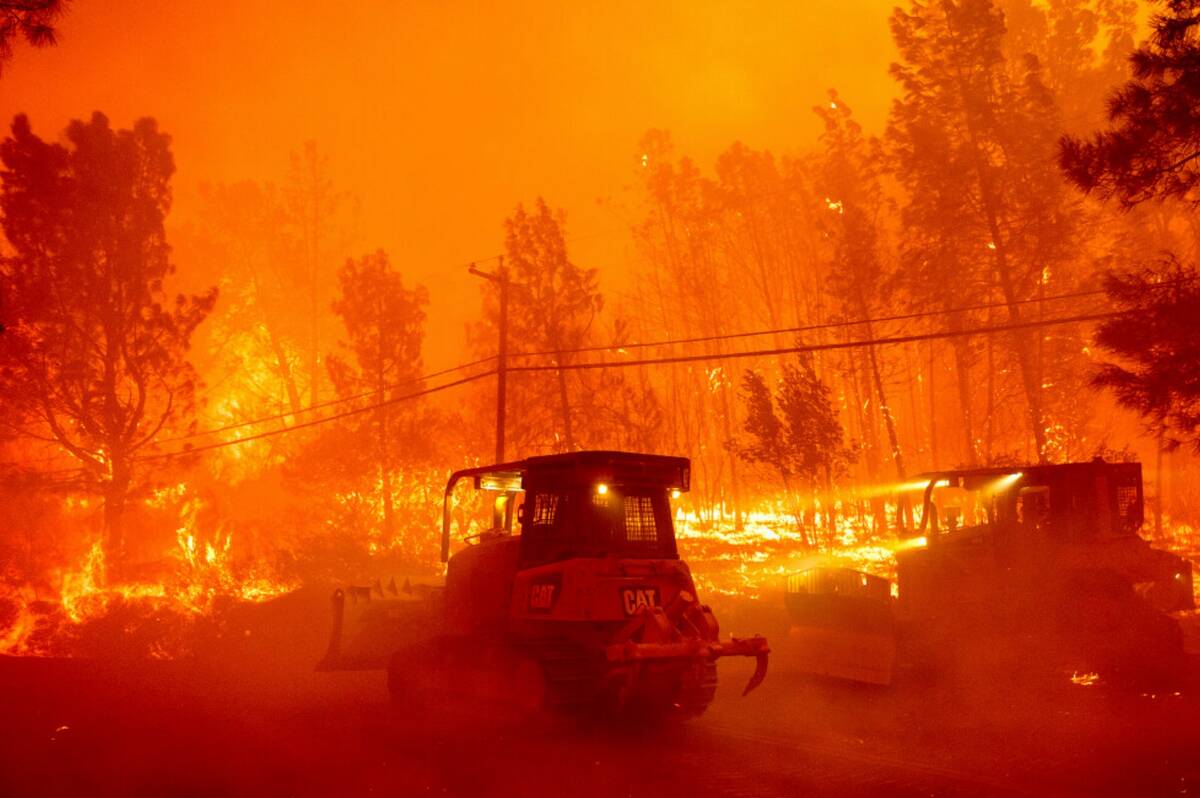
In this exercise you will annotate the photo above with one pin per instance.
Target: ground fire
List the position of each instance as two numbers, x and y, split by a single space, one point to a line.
404 398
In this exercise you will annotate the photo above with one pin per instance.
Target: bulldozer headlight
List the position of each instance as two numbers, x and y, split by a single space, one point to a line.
602 489
912 543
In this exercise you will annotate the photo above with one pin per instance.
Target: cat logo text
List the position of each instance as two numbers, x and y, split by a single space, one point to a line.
542 595
637 598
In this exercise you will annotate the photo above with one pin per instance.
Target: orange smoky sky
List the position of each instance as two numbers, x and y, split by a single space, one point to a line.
440 116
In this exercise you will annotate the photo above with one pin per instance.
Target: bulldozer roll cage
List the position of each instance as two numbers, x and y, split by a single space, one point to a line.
575 470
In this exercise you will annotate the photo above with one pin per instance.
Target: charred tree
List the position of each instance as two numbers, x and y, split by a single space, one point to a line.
973 137
385 326
795 431
312 205
97 350
553 305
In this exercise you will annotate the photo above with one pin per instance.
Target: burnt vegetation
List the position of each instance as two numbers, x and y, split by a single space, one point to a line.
930 370
238 403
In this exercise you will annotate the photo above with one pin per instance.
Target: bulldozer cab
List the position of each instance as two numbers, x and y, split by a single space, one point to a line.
1069 503
1040 563
582 504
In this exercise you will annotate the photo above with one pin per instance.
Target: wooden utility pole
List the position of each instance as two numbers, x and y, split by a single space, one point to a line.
500 278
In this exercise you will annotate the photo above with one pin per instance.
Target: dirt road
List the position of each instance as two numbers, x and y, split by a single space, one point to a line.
248 716
74 727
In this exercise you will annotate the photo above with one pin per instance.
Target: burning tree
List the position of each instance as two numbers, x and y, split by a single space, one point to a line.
385 326
725 253
804 440
313 205
987 217
96 357
553 306
244 228
1150 152
849 175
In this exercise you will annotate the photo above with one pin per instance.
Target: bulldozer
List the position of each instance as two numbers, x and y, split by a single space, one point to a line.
1034 569
584 606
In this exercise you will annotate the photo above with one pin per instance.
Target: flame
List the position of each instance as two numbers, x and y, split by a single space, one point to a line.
206 569
200 572
15 639
82 588
751 561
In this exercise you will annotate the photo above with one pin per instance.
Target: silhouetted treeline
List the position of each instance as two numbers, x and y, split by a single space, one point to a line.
960 227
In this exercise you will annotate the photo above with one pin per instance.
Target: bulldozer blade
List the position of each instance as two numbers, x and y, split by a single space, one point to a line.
760 672
366 633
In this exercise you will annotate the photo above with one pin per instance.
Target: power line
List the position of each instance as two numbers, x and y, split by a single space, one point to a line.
15 465
328 403
315 421
580 350
264 419
901 339
806 328
651 361
623 364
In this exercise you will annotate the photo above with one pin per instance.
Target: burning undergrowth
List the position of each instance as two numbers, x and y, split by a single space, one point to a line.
206 560
163 611
215 571
753 560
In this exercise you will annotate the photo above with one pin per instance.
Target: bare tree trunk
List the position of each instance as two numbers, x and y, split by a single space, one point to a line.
905 512
1159 498
281 360
285 370
314 276
930 387
566 407
812 509
314 333
962 368
827 505
385 468
871 449
115 494
885 411
991 402
914 402
727 430
385 479
1031 376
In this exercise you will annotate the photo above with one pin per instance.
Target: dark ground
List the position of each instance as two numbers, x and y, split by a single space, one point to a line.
256 721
